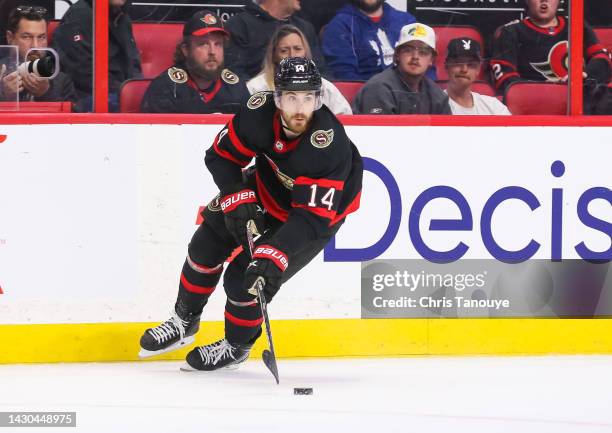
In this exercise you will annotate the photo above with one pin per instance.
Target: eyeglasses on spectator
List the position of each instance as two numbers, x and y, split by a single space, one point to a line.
32 10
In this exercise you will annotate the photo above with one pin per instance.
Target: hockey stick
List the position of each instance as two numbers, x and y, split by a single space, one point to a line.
268 356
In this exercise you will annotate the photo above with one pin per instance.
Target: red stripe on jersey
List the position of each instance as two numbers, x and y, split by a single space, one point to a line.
601 56
269 252
545 30
319 211
323 183
504 63
226 155
594 49
206 96
286 145
352 207
194 288
237 143
242 322
269 203
505 77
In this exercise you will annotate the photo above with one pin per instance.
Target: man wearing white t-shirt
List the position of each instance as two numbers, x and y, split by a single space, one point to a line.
463 63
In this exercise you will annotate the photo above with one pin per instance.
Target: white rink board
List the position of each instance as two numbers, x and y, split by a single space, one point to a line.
95 219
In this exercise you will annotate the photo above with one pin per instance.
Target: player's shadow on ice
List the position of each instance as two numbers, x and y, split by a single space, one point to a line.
253 371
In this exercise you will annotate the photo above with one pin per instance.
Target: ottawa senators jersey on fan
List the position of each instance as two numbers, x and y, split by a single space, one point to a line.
311 182
524 51
173 91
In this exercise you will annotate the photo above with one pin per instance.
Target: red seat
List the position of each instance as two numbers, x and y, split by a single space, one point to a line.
349 89
131 94
444 35
156 44
51 26
481 87
536 98
604 34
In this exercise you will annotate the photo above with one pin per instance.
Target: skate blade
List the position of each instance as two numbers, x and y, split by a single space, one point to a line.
143 354
187 367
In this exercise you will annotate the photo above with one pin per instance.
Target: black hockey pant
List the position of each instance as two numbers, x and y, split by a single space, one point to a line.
210 247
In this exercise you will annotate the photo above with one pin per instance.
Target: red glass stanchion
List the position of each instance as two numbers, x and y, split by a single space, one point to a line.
100 77
576 58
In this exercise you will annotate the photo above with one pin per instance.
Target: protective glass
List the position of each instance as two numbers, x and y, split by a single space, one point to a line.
9 78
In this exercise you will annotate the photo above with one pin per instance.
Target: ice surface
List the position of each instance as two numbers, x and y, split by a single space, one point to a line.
412 394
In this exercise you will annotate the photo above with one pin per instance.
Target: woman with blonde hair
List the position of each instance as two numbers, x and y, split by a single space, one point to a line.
289 41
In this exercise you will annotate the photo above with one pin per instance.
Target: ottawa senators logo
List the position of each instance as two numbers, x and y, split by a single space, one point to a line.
229 77
209 19
285 180
178 75
321 138
214 204
557 65
257 100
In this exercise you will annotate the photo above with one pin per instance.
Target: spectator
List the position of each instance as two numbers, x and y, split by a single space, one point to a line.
598 13
358 42
198 82
289 41
536 49
320 12
600 100
27 30
73 40
6 6
463 63
404 88
252 30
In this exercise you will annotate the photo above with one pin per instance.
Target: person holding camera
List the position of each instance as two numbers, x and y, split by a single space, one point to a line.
27 30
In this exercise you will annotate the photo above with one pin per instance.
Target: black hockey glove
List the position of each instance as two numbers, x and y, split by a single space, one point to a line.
240 204
269 263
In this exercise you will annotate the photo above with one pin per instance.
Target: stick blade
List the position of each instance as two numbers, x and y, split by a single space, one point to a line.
270 360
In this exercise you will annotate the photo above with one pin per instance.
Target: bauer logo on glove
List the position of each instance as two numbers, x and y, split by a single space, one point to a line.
271 253
241 206
231 201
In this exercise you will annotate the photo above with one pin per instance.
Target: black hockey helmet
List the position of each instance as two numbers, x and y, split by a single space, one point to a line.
297 74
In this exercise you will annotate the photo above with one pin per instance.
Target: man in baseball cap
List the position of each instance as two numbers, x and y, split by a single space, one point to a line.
405 88
198 81
463 63
203 23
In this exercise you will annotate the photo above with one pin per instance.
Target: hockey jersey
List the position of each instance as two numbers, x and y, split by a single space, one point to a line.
524 51
173 91
311 183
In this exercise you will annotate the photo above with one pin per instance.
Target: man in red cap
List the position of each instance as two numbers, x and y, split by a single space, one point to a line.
198 81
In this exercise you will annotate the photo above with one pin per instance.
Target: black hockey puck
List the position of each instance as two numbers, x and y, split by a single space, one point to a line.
302 391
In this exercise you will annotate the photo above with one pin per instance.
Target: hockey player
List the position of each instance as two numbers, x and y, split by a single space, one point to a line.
536 49
305 181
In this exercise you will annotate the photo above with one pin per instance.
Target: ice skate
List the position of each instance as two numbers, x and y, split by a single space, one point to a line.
221 354
173 334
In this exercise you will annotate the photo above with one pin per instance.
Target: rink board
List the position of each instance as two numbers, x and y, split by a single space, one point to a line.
95 219
324 338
